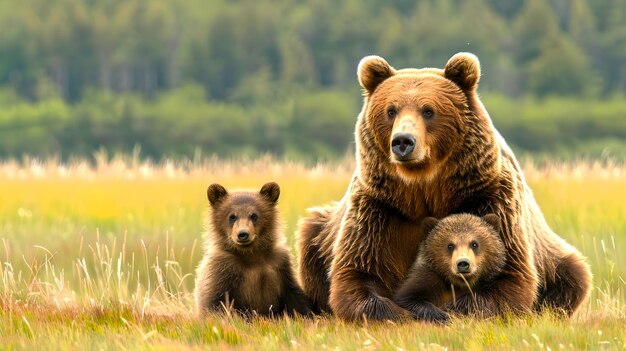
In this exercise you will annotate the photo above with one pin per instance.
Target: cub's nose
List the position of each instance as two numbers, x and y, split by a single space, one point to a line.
463 265
402 144
243 236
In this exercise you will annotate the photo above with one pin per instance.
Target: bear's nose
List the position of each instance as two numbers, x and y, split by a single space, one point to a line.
463 265
243 236
402 144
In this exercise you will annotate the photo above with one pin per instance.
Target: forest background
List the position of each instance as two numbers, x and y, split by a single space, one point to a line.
187 79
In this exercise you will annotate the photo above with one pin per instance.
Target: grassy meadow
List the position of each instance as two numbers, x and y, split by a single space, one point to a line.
103 256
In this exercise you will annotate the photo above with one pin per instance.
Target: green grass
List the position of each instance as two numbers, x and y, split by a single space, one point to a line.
104 257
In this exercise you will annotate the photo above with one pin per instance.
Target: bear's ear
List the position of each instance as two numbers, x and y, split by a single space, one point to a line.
216 193
271 191
372 71
464 70
493 220
428 224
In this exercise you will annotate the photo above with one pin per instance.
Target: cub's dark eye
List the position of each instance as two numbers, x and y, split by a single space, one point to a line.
474 245
392 113
428 113
254 217
450 247
232 217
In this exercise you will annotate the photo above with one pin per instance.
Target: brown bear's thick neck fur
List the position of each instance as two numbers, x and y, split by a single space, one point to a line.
473 164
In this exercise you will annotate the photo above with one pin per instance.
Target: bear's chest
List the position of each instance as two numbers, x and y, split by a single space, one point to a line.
450 294
260 289
402 246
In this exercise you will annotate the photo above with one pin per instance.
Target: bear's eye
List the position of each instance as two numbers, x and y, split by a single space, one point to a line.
232 217
474 245
428 113
254 217
392 113
450 247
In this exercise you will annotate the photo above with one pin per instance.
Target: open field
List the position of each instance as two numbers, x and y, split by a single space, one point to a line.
103 257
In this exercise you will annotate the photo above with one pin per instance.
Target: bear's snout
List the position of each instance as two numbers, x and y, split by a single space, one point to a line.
463 265
402 145
243 233
243 237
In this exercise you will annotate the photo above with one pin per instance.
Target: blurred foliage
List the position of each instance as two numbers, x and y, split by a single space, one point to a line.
247 77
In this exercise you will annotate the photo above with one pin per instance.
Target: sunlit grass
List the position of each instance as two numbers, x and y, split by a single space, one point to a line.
103 257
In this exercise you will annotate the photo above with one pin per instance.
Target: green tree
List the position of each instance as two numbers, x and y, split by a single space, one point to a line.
536 22
560 69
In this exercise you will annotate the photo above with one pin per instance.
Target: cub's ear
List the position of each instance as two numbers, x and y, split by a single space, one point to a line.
216 193
428 224
493 220
372 71
464 70
270 191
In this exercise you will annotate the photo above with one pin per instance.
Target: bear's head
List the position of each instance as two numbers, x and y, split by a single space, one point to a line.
416 118
244 220
464 249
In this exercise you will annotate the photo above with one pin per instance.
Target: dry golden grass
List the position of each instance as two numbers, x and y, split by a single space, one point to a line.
103 257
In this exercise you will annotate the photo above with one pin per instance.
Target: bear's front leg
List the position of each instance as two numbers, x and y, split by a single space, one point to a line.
418 292
356 295
216 280
294 299
373 250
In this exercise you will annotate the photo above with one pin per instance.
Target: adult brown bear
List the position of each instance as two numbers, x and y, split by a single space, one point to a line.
425 146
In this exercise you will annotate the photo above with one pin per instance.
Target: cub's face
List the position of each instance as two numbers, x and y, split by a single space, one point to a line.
417 116
464 249
243 218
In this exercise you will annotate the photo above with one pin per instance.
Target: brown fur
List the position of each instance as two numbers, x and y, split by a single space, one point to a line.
434 279
255 276
362 247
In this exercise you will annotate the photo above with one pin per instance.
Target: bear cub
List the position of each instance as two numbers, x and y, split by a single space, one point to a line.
460 253
246 264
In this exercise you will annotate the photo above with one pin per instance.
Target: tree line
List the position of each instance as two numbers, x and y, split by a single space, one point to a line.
248 77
